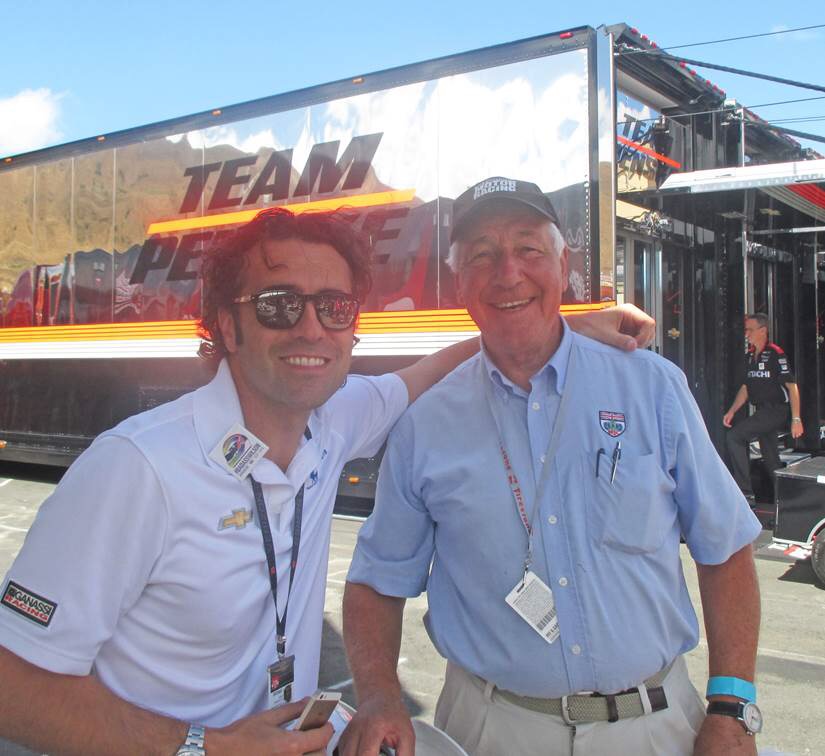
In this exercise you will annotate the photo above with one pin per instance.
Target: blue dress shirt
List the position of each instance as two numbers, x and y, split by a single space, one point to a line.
445 520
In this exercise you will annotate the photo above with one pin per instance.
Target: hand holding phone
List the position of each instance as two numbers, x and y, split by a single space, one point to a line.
318 709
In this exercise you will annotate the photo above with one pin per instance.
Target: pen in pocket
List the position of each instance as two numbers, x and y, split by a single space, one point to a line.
598 459
617 455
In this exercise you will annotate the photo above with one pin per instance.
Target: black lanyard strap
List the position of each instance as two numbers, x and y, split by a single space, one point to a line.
269 550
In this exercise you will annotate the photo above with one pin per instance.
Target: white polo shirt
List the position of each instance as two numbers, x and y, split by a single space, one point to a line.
146 566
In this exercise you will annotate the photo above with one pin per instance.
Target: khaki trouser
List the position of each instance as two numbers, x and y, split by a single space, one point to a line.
485 724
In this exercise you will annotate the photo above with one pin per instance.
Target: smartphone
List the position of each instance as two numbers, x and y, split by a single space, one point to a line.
318 709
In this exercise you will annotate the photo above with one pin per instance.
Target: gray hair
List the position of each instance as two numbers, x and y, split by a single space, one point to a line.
555 234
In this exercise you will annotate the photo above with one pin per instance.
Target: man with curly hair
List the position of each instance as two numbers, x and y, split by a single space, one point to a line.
171 590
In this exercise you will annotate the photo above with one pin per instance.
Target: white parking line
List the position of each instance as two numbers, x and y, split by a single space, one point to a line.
11 527
817 661
5 482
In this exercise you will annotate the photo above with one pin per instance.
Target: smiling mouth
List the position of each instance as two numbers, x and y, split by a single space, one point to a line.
516 304
305 361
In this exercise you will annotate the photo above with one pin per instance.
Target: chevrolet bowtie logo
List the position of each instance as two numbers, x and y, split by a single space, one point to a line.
238 519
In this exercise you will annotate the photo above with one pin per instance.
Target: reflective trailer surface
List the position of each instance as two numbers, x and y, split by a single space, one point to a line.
116 235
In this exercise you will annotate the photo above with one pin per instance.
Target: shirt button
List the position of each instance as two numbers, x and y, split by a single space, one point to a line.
562 581
536 405
576 649
542 458
552 519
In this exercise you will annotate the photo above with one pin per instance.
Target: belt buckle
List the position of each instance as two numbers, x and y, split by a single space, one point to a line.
565 714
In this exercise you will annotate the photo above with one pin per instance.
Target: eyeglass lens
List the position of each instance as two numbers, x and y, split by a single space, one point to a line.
284 309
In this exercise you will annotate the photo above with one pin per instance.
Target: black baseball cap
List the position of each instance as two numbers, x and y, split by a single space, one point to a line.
468 204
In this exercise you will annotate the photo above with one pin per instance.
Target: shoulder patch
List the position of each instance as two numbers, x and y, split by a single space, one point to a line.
28 604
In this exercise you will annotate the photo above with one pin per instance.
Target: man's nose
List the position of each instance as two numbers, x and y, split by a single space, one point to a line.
508 269
309 327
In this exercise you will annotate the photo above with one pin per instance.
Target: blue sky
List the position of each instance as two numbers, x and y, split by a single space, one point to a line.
72 70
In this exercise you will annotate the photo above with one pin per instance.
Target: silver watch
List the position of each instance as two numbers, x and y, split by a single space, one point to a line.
194 743
748 714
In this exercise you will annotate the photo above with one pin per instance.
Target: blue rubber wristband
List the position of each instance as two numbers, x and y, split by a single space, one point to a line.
731 686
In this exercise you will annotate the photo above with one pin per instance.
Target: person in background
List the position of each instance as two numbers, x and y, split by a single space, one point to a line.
771 387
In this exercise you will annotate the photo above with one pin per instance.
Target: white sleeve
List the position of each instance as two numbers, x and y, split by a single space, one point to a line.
86 558
364 411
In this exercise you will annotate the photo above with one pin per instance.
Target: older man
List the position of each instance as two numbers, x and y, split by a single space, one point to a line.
170 592
538 493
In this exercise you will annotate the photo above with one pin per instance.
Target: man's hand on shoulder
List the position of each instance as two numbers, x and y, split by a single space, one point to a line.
264 734
723 736
379 719
624 326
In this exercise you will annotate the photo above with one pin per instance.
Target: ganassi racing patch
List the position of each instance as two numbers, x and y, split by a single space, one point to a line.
613 423
23 601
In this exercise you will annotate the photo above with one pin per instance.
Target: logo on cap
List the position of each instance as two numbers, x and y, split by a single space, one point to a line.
494 188
497 184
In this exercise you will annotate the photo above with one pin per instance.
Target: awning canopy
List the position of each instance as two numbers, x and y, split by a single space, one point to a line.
791 183
749 177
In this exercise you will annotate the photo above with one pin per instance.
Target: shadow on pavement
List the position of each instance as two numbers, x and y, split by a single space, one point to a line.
35 473
802 572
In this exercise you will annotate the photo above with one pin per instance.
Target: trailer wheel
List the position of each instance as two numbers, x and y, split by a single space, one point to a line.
818 556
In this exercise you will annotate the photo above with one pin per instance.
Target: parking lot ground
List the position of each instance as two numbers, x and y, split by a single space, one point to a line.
790 665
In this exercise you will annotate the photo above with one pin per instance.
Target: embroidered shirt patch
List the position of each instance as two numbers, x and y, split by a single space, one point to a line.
28 604
613 423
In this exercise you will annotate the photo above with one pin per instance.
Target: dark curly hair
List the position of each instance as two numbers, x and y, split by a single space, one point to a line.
226 259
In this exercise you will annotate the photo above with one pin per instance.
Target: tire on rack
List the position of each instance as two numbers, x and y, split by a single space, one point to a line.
818 556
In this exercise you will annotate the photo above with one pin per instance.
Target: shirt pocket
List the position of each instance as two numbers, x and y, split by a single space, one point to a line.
636 511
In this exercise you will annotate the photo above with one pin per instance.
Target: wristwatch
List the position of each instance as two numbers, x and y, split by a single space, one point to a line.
747 713
194 743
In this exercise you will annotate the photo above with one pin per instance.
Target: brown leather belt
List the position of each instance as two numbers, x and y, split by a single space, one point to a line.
595 707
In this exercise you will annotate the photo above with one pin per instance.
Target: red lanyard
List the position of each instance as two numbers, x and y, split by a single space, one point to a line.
515 488
512 479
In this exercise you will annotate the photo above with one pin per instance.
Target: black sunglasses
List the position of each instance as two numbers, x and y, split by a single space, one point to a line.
279 309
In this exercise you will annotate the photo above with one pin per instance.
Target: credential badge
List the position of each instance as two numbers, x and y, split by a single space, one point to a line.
238 451
613 423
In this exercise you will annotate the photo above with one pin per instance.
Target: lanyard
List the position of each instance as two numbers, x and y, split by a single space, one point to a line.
550 453
269 550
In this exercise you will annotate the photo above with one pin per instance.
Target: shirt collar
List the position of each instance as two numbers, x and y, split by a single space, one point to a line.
556 366
217 408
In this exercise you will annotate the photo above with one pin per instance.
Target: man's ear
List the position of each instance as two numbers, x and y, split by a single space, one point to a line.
230 329
565 270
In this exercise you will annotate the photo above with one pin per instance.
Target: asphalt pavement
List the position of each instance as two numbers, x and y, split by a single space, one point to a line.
790 665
